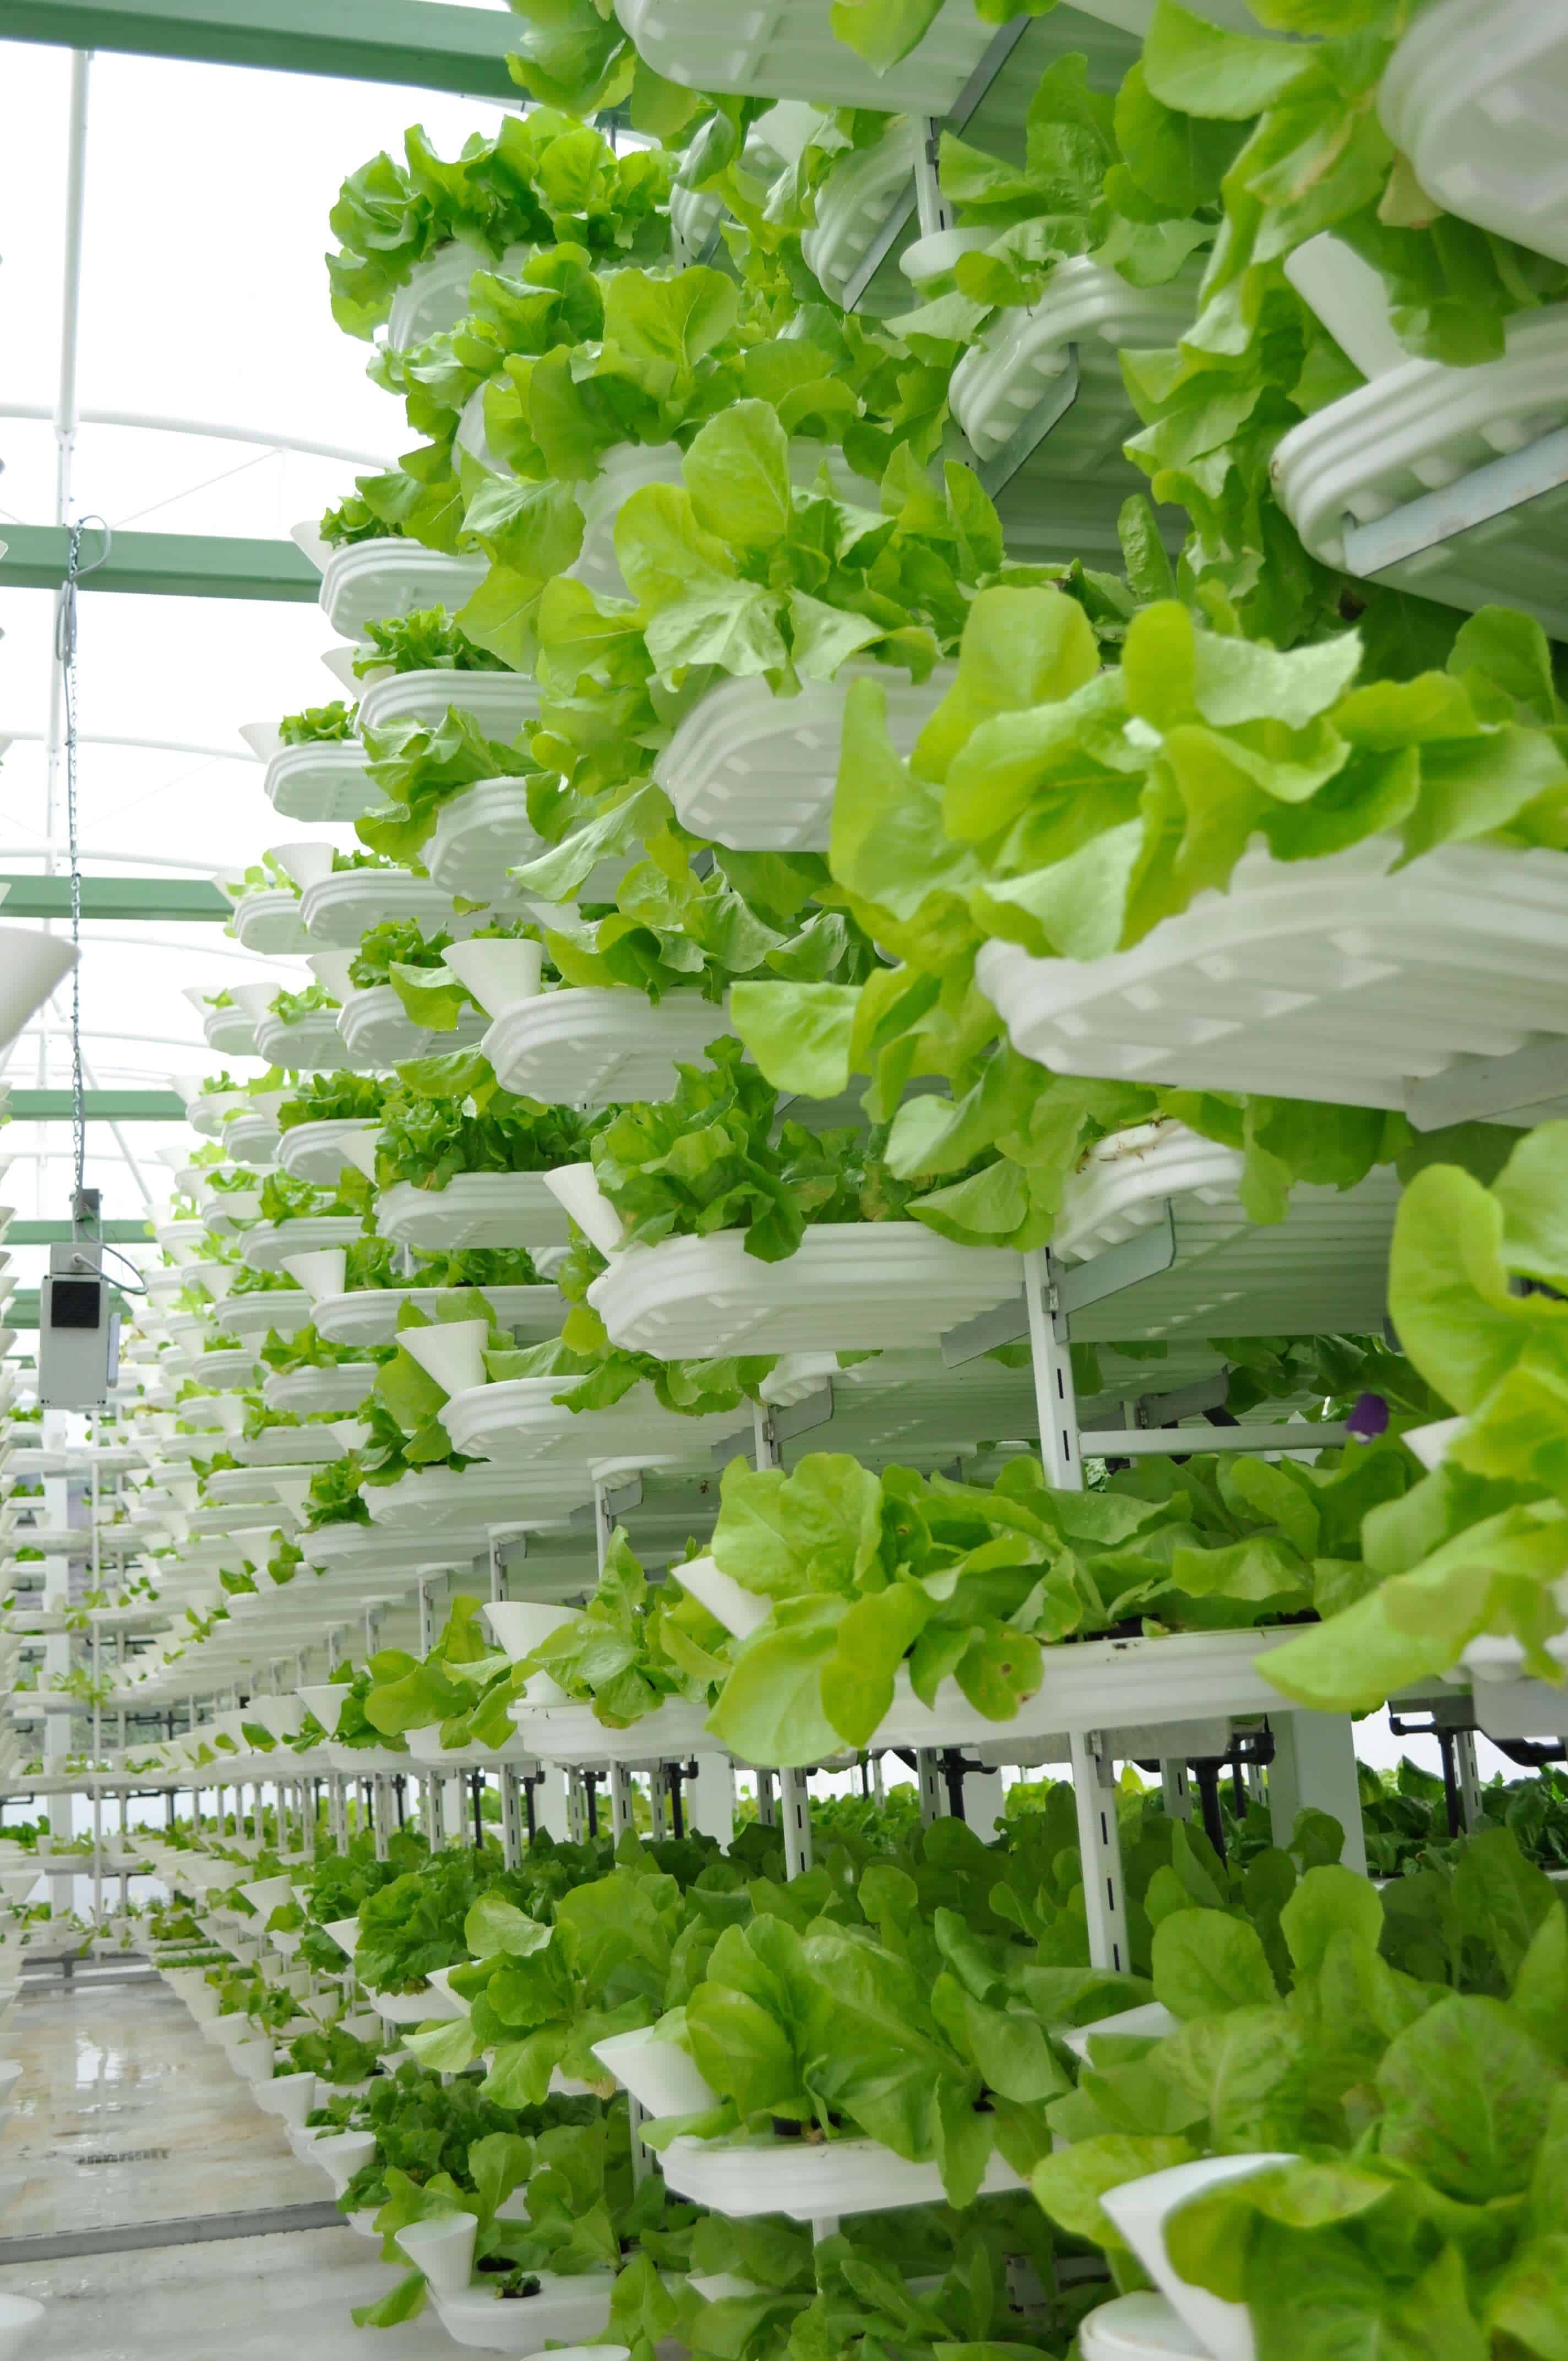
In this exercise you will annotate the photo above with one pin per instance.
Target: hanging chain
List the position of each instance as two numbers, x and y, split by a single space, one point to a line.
65 650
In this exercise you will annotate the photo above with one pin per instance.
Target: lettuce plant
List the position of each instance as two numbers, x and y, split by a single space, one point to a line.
637 355
714 1157
354 519
427 640
540 179
549 1976
1427 2124
287 1200
292 1007
462 1686
870 1575
614 1651
1115 181
447 1114
1476 1278
319 725
333 1097
420 769
1068 809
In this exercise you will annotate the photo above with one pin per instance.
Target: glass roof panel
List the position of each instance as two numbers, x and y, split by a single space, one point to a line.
203 302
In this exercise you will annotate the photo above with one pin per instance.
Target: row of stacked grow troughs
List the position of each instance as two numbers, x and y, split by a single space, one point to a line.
929 1129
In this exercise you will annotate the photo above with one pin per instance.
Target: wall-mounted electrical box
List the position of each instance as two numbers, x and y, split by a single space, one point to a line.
79 1330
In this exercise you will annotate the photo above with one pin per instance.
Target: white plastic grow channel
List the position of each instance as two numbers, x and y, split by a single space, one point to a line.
285 1310
1450 482
570 1734
1323 1271
519 1421
366 1557
592 1044
1341 978
425 1747
267 1245
850 1286
786 48
308 1044
230 1366
567 2311
806 2181
756 772
474 1208
626 467
371 580
315 1152
435 295
337 908
269 921
1476 95
1041 398
292 1446
308 1393
1509 1703
443 1502
478 836
324 782
502 703
374 1030
1110 1685
229 1031
694 218
855 206
252 1138
369 1315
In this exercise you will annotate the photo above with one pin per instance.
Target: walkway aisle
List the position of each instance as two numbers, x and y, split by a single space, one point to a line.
125 2116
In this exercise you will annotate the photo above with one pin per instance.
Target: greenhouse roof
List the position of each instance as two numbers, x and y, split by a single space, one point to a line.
176 372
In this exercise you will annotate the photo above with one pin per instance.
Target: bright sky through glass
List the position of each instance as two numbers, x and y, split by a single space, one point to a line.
203 300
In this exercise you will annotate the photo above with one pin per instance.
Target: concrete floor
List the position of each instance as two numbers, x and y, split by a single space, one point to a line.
122 2067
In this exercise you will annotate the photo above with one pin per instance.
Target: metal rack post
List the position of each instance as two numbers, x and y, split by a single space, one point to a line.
1100 1842
1314 1767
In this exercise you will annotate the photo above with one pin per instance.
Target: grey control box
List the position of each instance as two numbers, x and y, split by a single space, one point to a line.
79 1330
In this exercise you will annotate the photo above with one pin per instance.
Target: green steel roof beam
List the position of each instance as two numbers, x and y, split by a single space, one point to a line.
100 1106
30 895
60 1233
160 564
416 42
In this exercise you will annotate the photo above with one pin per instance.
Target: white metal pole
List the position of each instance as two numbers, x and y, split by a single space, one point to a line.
1055 1398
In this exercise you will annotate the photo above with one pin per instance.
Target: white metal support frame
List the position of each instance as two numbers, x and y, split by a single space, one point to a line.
1055 1401
1513 481
622 1801
1468 1773
514 1820
794 1814
929 1781
1175 1789
710 1799
1314 1767
1100 1842
923 195
788 1807
1093 1772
